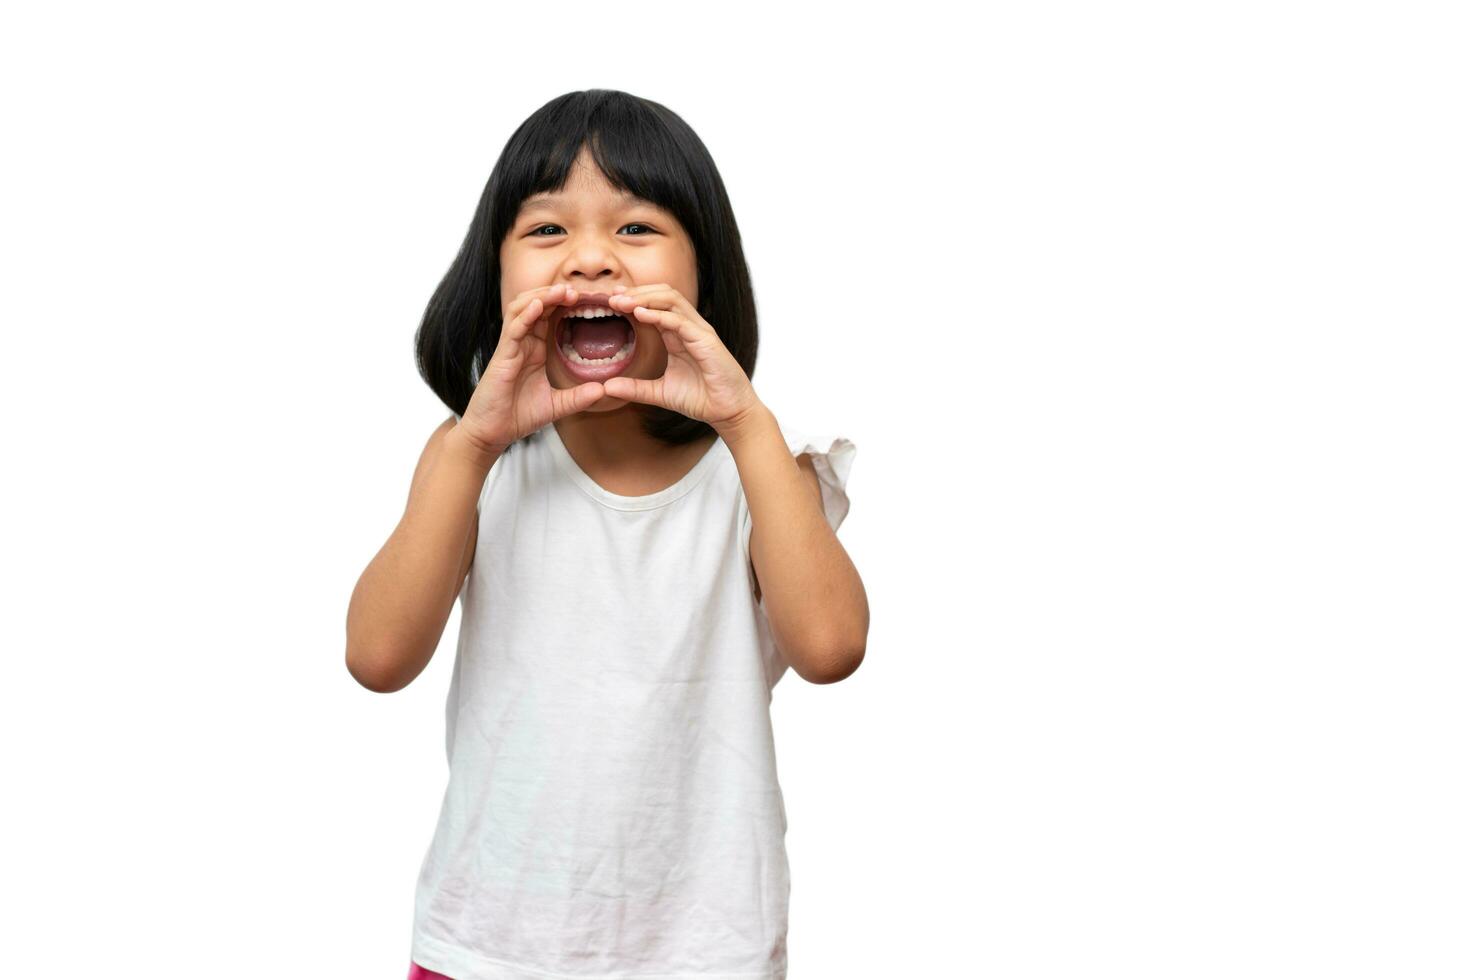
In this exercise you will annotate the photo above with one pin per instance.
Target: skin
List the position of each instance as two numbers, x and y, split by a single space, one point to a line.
816 603
582 238
585 238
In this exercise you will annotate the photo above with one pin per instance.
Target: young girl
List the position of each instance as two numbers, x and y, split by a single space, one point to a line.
639 550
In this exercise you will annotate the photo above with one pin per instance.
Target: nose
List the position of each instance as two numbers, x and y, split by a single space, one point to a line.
591 262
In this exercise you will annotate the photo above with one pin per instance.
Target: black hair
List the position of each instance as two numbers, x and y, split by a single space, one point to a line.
641 147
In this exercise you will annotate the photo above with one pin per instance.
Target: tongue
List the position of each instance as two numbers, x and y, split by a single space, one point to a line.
602 337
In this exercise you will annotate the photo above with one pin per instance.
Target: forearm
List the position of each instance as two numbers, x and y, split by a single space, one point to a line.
814 598
403 598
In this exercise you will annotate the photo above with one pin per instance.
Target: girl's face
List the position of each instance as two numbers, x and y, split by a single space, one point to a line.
589 237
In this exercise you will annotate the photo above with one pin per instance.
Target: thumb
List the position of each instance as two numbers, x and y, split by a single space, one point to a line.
580 398
633 390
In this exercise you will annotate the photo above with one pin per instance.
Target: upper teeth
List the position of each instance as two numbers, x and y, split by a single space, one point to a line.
586 311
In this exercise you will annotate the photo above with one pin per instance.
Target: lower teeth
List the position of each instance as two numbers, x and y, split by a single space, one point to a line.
572 355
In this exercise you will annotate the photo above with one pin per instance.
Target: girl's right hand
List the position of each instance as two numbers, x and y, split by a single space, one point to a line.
514 397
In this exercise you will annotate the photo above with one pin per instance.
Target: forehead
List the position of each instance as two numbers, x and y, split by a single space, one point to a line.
552 202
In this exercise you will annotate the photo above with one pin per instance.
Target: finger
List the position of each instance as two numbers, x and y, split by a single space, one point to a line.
542 292
677 331
639 290
513 333
535 306
521 318
648 392
535 324
661 295
517 306
670 300
568 401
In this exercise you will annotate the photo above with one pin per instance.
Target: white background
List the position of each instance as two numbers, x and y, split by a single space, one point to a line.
1148 321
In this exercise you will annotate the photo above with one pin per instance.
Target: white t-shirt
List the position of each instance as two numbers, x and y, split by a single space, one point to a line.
612 809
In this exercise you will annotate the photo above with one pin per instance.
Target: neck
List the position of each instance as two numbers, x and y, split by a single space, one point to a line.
610 438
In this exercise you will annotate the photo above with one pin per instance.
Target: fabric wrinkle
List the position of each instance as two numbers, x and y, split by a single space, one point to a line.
613 809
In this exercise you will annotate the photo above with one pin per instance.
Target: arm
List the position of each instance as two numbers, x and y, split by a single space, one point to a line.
815 599
403 598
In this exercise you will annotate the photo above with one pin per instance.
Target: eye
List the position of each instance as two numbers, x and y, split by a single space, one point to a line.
536 232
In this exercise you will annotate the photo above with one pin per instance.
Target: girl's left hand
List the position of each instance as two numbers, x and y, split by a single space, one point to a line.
703 379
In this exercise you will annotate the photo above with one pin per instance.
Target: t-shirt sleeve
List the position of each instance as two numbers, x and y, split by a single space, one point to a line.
832 458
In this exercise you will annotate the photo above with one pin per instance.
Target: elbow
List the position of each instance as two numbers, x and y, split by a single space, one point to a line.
843 667
831 667
838 659
828 657
842 652
367 672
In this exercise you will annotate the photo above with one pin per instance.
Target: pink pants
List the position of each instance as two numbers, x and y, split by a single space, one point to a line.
416 972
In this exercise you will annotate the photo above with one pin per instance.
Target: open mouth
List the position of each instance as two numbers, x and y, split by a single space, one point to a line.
595 342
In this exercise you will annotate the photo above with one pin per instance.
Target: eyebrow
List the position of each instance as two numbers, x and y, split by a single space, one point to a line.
550 203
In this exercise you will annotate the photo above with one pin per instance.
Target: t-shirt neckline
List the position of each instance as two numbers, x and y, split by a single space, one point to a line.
617 501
